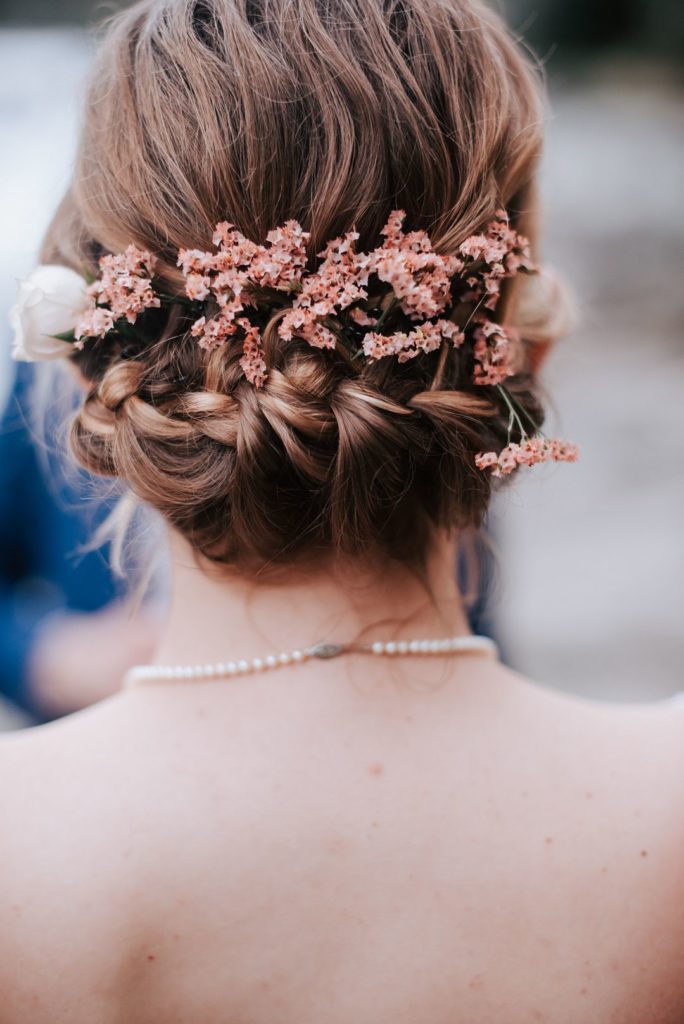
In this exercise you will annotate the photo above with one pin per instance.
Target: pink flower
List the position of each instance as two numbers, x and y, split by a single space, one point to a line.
240 267
419 277
563 451
492 353
392 230
123 290
214 332
427 337
530 452
197 287
509 459
282 264
420 283
452 332
491 257
94 323
340 280
235 248
252 361
197 329
486 460
305 323
195 261
125 284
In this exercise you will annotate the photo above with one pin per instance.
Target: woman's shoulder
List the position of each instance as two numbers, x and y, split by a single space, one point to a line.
55 784
595 712
650 731
611 776
629 756
72 863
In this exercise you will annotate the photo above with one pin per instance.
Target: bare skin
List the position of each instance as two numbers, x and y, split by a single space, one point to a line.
433 841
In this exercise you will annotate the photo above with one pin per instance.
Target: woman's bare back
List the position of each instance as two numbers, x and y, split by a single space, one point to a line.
313 846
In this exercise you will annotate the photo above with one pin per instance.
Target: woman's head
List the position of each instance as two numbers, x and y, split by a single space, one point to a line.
333 113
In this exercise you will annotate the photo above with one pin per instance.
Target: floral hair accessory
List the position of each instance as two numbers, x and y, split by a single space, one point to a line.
402 299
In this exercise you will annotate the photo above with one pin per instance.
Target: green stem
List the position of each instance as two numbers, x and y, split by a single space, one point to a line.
177 300
386 312
513 415
535 426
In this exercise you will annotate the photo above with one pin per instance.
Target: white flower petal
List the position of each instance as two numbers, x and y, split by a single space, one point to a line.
49 302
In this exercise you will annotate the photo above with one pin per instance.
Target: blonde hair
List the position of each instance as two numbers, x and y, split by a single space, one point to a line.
332 112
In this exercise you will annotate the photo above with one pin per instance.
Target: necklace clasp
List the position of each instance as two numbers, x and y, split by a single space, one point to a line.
327 650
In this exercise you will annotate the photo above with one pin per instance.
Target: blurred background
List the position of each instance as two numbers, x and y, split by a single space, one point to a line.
588 593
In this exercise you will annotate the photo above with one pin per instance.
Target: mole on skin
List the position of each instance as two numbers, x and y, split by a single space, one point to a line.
375 768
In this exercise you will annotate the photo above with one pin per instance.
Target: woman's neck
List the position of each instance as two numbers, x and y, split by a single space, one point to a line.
215 618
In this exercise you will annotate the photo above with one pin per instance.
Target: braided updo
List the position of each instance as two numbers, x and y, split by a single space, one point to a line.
331 112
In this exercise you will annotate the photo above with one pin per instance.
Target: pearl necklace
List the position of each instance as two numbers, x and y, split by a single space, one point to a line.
450 645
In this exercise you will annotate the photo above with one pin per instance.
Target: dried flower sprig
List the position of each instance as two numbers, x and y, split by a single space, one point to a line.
234 276
340 281
492 351
427 337
122 291
530 452
490 258
419 277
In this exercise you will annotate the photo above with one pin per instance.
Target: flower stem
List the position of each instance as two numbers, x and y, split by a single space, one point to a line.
389 308
177 300
513 415
535 426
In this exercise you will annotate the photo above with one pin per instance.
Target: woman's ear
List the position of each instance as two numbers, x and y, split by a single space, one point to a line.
537 354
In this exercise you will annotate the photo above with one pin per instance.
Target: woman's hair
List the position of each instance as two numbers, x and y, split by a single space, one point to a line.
334 113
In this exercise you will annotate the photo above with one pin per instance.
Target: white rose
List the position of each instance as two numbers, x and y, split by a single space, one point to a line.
49 302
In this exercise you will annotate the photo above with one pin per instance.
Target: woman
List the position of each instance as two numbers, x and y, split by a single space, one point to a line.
324 800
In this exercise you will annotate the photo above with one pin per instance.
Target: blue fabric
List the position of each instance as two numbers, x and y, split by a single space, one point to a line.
44 522
478 550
